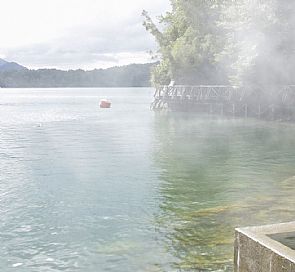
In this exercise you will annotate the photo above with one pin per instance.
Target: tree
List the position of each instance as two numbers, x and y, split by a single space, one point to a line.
188 44
218 42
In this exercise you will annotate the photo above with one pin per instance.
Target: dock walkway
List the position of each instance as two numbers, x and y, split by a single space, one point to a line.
268 103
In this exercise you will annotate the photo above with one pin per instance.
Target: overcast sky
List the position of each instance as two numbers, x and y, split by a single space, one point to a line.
71 34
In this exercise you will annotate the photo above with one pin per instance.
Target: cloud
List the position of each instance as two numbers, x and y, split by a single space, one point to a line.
82 34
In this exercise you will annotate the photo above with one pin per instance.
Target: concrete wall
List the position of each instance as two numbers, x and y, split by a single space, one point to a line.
255 251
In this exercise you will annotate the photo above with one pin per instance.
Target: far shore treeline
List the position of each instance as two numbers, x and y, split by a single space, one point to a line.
133 75
242 42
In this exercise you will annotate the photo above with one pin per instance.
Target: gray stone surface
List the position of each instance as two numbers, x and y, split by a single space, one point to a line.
257 251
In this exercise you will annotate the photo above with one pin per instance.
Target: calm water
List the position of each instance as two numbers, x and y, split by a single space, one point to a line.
127 189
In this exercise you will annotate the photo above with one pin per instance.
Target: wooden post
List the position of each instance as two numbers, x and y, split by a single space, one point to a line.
272 112
234 110
246 111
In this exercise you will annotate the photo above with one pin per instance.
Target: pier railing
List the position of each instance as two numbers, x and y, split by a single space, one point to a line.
274 102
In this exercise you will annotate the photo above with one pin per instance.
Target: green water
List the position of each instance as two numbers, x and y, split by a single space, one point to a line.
128 189
217 175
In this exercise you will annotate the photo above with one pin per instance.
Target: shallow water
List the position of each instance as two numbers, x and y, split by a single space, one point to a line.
127 189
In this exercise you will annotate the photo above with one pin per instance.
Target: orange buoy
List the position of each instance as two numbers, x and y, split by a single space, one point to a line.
105 104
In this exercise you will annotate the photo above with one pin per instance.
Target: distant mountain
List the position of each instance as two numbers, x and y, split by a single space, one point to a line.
133 75
10 66
2 62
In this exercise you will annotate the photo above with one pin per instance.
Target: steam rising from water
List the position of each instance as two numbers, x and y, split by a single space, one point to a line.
260 33
242 42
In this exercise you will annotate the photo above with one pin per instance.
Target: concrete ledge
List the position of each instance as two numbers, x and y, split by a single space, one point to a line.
257 250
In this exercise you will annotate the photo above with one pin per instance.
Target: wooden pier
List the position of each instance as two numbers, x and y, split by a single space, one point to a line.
274 103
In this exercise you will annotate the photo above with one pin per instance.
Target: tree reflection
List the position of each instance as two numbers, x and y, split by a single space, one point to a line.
217 175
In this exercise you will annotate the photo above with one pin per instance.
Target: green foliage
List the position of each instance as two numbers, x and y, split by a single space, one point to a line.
161 73
219 42
134 75
188 44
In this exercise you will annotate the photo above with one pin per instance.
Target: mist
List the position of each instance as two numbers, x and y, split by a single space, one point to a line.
141 135
241 43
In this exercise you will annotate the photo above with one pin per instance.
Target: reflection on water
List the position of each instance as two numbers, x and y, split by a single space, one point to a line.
217 175
127 189
286 238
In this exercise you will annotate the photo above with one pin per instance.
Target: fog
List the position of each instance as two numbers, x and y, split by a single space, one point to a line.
241 43
248 45
262 33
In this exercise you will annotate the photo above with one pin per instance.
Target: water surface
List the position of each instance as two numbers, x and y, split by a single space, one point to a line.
127 189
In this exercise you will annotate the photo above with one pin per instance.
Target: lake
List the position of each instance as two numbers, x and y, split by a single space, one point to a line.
128 189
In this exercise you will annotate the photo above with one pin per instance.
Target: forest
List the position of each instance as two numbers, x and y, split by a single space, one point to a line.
239 43
133 75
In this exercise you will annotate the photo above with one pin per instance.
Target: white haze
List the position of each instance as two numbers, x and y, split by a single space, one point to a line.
262 34
71 34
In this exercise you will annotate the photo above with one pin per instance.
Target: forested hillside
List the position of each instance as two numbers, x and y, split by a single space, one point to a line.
225 42
133 75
